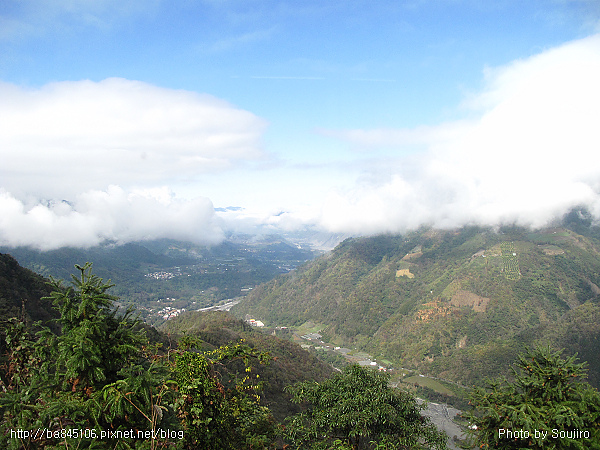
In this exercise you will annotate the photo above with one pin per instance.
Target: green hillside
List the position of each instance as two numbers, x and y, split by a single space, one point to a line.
103 371
291 363
153 275
22 292
455 304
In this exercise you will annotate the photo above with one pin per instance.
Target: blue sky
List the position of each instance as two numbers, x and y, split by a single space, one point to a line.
127 120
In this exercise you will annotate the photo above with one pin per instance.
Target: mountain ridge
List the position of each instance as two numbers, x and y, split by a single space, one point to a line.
458 304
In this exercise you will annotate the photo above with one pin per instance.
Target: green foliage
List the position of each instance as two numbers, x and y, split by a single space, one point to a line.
547 406
290 364
98 383
95 342
510 261
357 409
478 297
144 394
94 375
96 370
18 370
216 416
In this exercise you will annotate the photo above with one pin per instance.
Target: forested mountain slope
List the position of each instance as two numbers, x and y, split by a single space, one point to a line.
456 304
22 292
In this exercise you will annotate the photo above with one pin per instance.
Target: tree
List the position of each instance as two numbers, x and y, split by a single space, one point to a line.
95 342
18 368
99 384
91 377
547 406
357 409
220 414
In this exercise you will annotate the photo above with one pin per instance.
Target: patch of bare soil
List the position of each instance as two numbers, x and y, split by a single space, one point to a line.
466 298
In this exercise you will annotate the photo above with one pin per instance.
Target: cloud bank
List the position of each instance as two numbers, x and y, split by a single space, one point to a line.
104 147
529 151
91 135
113 215
81 160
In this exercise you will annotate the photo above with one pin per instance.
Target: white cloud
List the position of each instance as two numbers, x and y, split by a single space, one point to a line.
533 152
112 215
103 147
69 137
527 153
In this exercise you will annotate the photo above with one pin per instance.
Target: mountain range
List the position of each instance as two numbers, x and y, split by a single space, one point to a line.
454 304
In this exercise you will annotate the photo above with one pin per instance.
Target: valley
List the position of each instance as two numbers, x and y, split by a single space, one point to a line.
163 278
308 337
457 305
439 396
437 311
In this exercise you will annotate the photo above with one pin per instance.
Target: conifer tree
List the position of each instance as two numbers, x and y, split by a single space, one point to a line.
95 342
64 382
547 406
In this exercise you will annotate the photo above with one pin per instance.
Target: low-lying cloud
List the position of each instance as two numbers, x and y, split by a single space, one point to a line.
526 152
113 215
94 152
531 152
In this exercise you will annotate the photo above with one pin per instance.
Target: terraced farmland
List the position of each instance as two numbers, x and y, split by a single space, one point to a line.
510 261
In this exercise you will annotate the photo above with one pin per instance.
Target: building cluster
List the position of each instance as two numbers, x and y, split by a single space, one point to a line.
255 323
373 364
168 312
312 337
160 275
